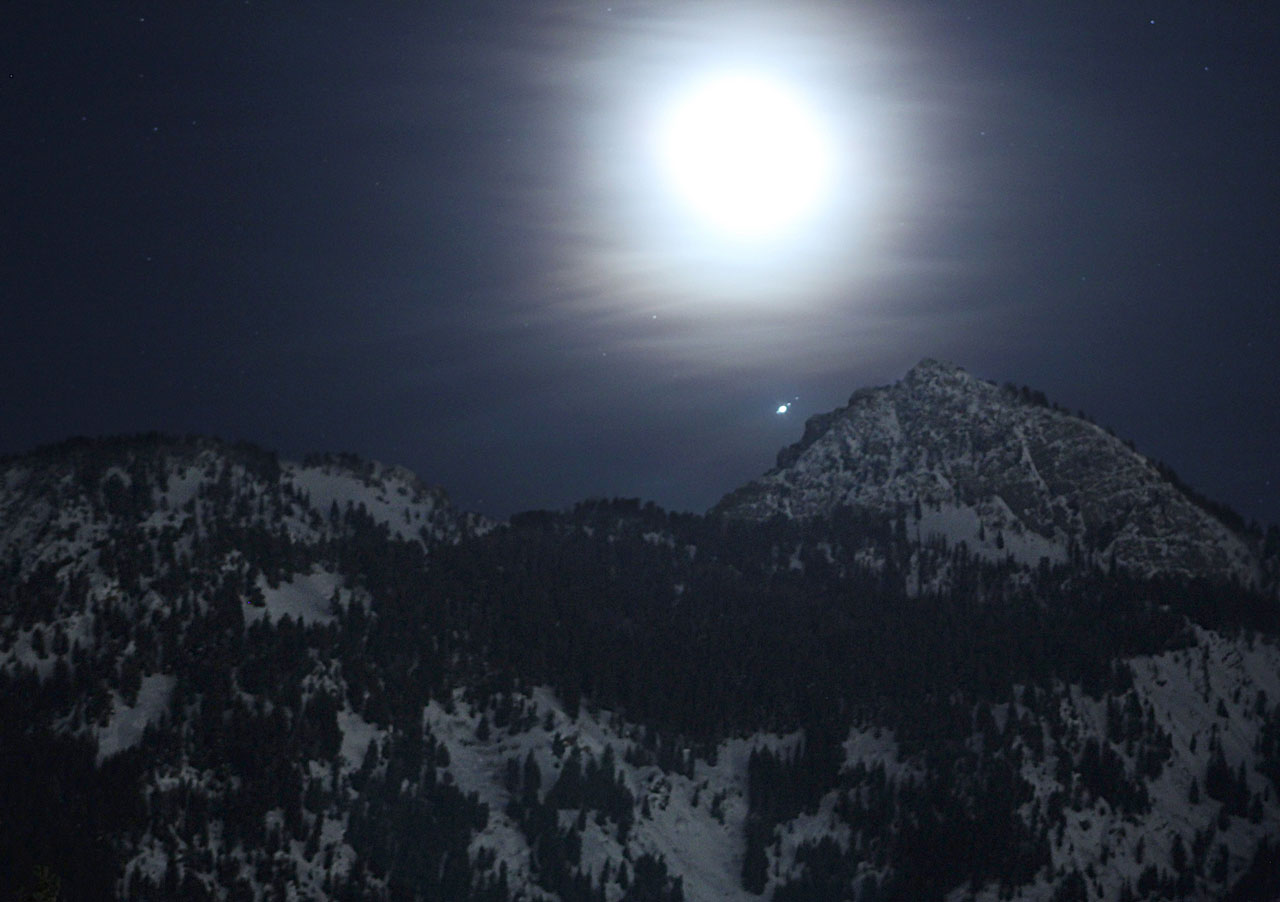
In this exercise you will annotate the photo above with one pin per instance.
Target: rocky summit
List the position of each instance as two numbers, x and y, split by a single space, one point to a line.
1000 469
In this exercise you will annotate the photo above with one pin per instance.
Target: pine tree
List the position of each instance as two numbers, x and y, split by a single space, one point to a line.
755 865
45 886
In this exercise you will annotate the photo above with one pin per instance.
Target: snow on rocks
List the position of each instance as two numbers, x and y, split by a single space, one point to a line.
972 461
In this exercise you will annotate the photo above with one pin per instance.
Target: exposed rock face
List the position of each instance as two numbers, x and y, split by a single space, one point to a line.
975 462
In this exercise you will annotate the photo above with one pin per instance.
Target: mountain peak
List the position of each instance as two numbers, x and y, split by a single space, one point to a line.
940 376
966 460
930 367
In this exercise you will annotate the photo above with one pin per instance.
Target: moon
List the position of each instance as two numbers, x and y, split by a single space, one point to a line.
745 154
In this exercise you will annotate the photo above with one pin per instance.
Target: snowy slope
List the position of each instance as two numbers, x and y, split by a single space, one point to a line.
58 504
1202 698
970 461
150 576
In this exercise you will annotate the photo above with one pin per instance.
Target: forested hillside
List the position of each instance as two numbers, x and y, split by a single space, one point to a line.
227 676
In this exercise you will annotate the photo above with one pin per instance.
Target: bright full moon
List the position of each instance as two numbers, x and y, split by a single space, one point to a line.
746 155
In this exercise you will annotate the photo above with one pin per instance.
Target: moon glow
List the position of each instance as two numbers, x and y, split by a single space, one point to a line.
745 154
738 158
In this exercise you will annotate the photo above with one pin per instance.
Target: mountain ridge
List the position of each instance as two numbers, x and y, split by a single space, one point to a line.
318 680
976 462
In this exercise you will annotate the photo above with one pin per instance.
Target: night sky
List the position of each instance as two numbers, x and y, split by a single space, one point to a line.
437 234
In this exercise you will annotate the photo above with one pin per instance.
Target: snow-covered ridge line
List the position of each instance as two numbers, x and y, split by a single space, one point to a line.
58 502
970 461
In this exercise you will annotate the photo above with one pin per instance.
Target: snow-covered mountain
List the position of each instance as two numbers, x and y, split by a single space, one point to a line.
223 675
1000 470
56 503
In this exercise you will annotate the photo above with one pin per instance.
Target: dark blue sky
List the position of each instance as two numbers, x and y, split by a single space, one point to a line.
425 235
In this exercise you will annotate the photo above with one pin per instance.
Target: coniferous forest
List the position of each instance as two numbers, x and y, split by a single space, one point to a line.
604 659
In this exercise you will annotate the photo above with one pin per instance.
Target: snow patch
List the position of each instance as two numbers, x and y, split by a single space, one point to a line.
306 597
125 728
404 511
357 733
